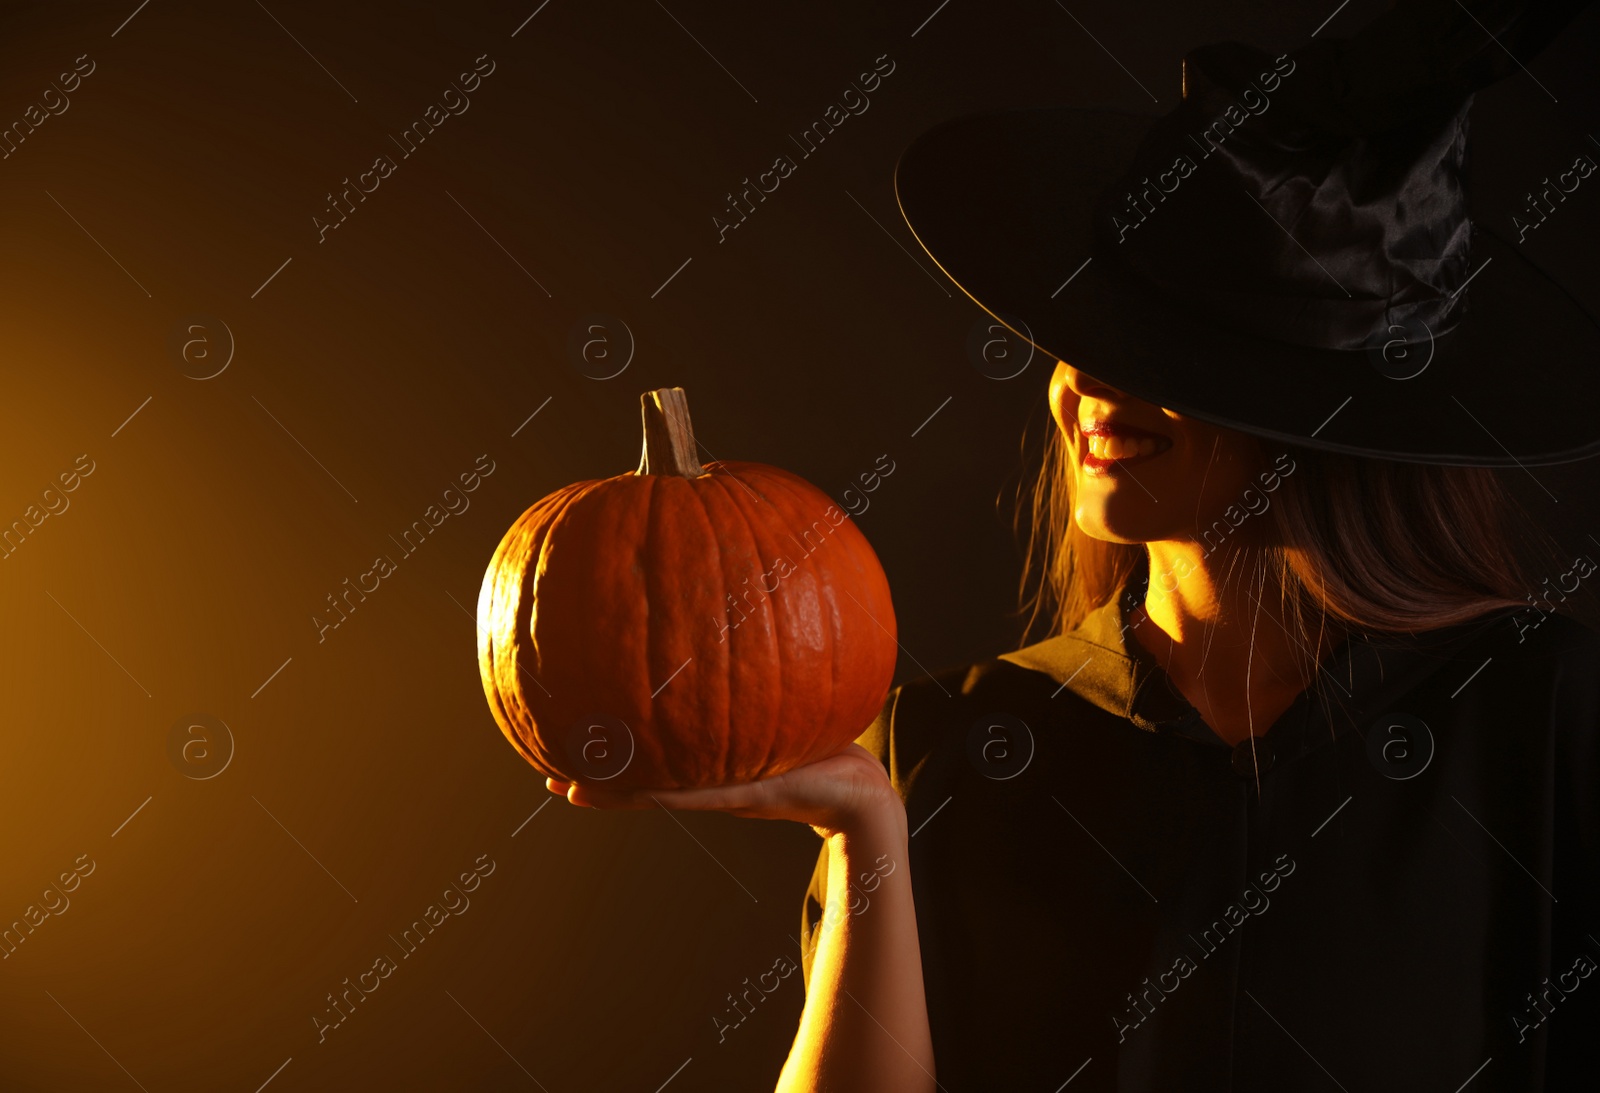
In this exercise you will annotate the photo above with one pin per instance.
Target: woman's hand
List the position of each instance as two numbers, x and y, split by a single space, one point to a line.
842 793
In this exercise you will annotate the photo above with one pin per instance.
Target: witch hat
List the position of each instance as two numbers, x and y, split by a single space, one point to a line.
1268 259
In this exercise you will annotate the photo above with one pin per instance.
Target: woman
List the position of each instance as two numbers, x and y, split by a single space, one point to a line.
1301 794
1258 878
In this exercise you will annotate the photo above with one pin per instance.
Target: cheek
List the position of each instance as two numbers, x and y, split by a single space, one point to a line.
1221 469
1064 408
1063 400
1065 412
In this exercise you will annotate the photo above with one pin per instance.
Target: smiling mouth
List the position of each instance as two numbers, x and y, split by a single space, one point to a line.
1112 447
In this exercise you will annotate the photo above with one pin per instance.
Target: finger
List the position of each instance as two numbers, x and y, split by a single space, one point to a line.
711 798
741 796
597 797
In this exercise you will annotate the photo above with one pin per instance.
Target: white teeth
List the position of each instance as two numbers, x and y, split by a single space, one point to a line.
1119 447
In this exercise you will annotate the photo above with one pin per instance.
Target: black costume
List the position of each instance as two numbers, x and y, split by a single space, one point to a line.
1356 903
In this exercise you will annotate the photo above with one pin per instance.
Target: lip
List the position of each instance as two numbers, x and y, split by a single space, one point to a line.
1110 429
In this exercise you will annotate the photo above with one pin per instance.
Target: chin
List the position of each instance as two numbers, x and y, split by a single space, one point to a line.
1118 523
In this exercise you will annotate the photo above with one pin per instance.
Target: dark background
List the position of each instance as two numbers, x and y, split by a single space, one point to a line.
379 364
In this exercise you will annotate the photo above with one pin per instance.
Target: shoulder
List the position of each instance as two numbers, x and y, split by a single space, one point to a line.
1561 657
1563 637
1542 648
1526 687
924 723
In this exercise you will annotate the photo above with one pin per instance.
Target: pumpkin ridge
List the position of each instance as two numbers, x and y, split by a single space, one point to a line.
681 755
860 561
738 752
588 520
492 652
546 521
660 757
561 515
839 633
789 504
771 736
722 733
510 663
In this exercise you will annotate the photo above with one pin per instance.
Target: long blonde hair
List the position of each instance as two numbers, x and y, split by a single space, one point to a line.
1371 544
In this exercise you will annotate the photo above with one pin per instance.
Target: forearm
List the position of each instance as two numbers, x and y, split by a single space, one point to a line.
865 1023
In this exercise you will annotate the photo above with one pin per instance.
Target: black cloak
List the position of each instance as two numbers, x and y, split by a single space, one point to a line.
1396 888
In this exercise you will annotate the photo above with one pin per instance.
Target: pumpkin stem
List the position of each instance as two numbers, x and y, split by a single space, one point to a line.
669 446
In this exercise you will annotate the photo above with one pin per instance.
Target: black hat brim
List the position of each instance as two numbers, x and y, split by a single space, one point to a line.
1002 202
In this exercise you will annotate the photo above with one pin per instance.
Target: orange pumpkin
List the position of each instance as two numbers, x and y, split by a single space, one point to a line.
683 625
